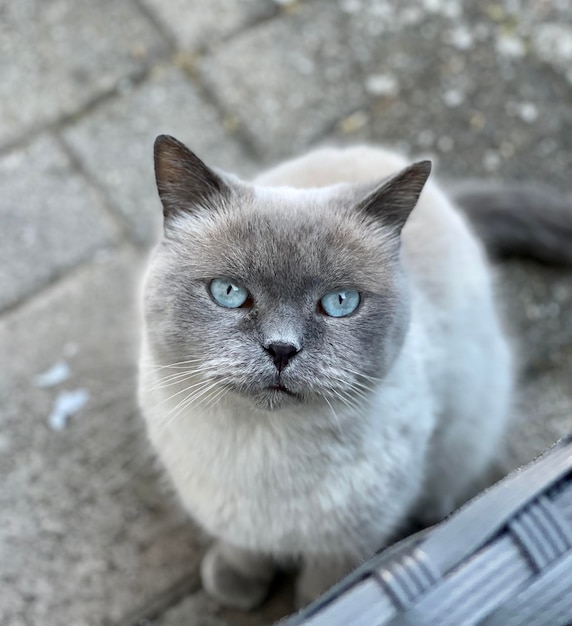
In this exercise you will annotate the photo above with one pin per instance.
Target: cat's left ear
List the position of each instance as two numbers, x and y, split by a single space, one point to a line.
393 200
184 182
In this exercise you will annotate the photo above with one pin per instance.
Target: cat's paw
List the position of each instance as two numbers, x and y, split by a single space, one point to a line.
236 578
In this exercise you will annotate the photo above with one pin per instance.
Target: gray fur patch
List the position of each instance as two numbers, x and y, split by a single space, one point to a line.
519 219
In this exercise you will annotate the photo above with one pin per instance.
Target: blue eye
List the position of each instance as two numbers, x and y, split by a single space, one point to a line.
227 293
341 302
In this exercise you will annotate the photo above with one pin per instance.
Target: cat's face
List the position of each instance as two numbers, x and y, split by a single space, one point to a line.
281 296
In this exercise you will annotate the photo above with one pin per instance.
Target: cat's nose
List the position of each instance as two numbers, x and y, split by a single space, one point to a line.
281 353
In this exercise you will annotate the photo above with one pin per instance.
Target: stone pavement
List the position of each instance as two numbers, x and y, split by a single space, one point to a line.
89 533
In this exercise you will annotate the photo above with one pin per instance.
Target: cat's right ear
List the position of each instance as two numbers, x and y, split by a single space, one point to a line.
184 182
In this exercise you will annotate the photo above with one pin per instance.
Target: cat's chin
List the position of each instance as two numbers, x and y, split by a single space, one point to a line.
274 398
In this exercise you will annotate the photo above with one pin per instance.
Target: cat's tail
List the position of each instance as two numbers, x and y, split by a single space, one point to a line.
520 219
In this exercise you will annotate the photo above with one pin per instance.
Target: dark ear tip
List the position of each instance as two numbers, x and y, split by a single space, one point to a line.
423 166
162 141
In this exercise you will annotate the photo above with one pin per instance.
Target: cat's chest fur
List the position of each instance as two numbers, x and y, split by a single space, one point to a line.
277 483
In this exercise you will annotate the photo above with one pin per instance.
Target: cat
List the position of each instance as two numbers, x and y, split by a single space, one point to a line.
322 359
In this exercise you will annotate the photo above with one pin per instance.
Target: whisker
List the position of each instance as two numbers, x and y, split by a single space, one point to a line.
176 365
362 375
174 379
336 417
358 388
179 375
217 398
188 400
208 398
198 384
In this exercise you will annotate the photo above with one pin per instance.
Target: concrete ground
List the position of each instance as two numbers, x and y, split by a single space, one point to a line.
89 534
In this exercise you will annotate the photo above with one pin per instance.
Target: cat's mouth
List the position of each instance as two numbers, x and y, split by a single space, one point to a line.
273 395
277 396
280 387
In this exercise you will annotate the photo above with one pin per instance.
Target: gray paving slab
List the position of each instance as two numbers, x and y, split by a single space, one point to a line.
115 143
536 303
468 83
198 609
287 80
56 57
537 307
50 219
87 534
543 412
195 25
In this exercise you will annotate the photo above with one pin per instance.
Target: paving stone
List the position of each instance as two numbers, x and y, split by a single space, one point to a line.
537 308
442 78
115 143
198 24
543 412
199 610
55 57
87 534
287 80
50 219
463 83
196 610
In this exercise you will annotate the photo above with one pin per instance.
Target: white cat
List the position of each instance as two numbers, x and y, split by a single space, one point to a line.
322 359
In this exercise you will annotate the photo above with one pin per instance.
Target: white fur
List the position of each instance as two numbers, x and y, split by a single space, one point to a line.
288 482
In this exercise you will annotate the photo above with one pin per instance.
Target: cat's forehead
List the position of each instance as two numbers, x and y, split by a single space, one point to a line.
305 237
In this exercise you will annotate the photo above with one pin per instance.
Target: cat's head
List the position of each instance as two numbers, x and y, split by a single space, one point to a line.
280 295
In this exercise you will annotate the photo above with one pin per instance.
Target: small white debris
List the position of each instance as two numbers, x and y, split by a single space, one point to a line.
66 404
53 376
460 38
354 122
433 6
382 85
527 112
491 160
411 15
452 9
350 6
552 42
303 64
507 149
453 97
510 46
